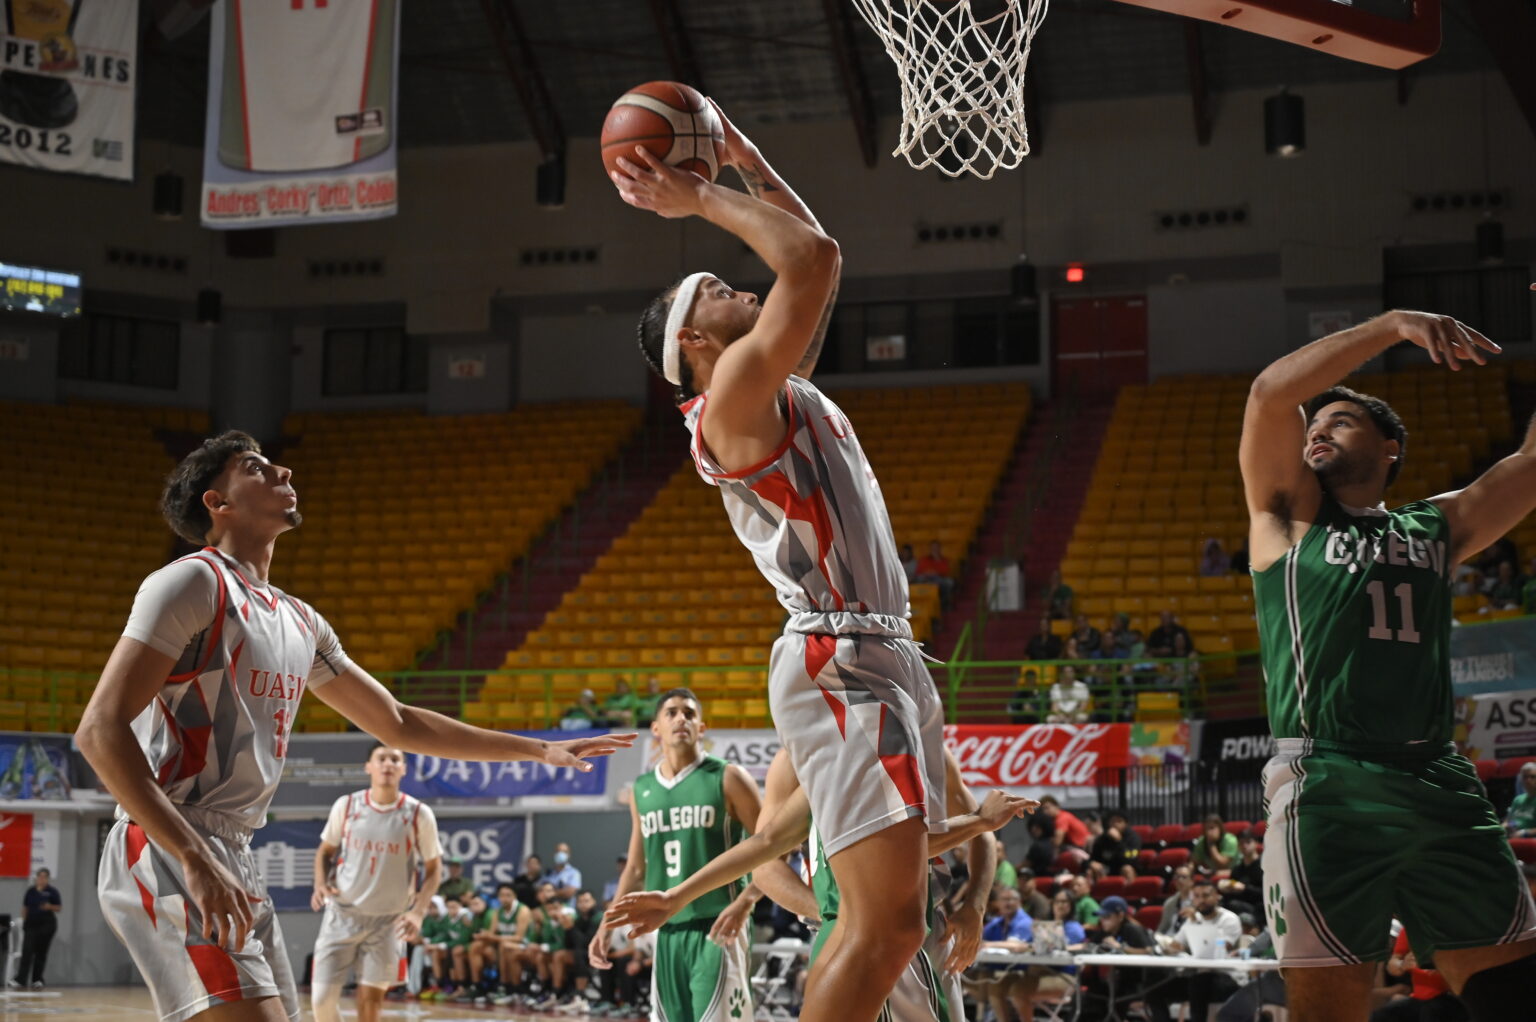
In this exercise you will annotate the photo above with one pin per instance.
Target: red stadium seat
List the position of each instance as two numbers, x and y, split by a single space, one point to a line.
1045 885
1192 832
1108 886
1070 860
1487 769
1511 767
1144 832
1150 916
1167 834
1170 859
1259 829
1236 827
1524 848
1145 890
1146 860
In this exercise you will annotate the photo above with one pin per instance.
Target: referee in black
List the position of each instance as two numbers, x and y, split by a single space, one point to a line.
40 923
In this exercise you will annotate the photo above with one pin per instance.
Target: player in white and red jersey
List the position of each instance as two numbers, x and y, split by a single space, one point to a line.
373 844
854 704
188 728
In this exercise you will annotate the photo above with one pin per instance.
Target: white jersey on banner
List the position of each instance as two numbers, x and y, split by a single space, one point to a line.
307 83
380 848
217 733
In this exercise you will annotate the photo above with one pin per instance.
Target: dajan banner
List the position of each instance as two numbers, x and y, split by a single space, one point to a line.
433 777
753 750
490 848
1041 757
301 125
68 70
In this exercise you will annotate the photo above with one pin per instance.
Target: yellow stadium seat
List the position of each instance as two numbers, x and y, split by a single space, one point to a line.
1157 706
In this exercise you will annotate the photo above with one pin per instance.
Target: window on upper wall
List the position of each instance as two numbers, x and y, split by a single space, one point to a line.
373 360
121 349
941 333
1494 300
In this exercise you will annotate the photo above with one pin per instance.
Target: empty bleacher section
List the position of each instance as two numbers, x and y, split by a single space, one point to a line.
1167 479
408 518
82 529
678 598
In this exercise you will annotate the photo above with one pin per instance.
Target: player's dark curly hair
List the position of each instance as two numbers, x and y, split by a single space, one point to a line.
181 503
676 693
653 341
1387 421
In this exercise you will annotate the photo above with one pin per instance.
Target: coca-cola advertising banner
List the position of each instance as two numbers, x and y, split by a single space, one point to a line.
1059 759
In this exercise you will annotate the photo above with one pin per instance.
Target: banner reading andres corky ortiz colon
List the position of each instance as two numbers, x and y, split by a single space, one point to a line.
1057 759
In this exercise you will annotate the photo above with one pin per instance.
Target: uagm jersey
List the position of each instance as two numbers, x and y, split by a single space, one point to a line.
379 849
1355 626
217 732
811 513
308 84
684 823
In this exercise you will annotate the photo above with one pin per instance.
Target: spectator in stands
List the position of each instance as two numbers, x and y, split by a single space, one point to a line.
1467 581
1160 642
1239 560
611 888
1095 871
1004 875
645 706
1184 663
1041 853
526 884
585 714
1180 905
1506 588
1011 926
1024 705
1035 903
1118 846
1087 638
457 886
1069 830
565 877
1215 850
1265 988
1119 639
1214 561
1431 1000
1116 932
40 922
1243 890
1528 591
934 568
1521 821
619 706
909 562
1084 909
1211 932
1044 645
1070 698
1056 935
1059 597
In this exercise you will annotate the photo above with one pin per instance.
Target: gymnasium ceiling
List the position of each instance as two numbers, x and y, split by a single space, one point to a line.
765 60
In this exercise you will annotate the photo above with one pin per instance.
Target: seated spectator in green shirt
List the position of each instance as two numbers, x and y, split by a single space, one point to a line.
1084 909
645 706
619 707
583 715
1215 850
1522 811
445 936
457 885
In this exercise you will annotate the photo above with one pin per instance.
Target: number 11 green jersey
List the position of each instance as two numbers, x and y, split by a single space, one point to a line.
1355 627
685 824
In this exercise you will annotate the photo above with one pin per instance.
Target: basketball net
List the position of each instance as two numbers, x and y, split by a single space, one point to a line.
962 79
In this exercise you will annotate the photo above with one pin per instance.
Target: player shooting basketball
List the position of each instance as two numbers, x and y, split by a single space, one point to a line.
854 704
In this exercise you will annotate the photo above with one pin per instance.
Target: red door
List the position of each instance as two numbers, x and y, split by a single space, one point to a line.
1100 344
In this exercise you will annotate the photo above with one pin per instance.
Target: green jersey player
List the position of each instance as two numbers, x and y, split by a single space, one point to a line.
1372 813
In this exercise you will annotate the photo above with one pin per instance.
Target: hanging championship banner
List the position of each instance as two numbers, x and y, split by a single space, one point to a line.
301 124
68 69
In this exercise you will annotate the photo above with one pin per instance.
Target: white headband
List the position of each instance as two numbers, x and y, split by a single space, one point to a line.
677 316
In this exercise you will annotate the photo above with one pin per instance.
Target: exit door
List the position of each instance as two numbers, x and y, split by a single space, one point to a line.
1100 344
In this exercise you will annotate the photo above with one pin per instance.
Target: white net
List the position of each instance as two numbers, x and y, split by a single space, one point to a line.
961 64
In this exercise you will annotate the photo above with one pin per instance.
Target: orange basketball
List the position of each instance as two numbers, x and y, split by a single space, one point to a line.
671 120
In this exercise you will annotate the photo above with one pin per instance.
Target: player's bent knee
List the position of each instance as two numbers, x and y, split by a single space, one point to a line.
1501 993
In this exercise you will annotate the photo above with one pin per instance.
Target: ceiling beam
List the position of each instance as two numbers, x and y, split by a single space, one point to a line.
522 68
1199 85
675 40
1509 30
861 102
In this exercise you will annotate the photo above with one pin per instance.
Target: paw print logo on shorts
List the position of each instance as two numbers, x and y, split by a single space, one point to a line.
738 1003
1276 910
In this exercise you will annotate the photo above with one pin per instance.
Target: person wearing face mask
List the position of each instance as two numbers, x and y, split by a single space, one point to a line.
565 877
1210 932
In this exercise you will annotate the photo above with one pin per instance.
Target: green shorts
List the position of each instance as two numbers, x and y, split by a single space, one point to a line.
1356 840
696 980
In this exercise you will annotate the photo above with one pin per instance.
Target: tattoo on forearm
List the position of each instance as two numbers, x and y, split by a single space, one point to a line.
813 351
756 181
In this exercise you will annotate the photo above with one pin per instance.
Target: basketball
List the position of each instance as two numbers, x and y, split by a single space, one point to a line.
671 120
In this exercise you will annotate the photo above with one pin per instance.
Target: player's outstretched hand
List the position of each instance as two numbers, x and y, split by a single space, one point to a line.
224 904
647 183
576 751
641 911
597 949
999 807
729 924
1445 338
963 926
322 894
